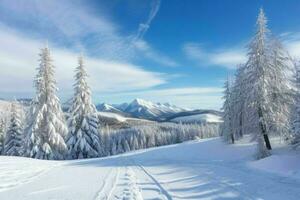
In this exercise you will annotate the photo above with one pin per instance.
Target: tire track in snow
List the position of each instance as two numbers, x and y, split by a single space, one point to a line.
154 180
101 192
114 184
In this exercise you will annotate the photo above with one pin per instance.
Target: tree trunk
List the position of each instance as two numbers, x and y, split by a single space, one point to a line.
232 138
267 141
241 125
262 126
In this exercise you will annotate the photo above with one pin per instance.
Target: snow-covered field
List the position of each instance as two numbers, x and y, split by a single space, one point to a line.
208 118
204 169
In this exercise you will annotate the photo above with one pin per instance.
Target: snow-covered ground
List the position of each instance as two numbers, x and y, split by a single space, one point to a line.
208 118
204 169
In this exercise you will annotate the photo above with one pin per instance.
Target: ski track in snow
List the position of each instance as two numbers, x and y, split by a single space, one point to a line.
185 171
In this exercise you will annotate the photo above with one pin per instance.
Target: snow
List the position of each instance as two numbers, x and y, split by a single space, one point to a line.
209 118
117 117
5 109
203 169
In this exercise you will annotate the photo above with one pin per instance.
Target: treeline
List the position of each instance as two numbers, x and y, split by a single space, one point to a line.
46 132
261 98
153 135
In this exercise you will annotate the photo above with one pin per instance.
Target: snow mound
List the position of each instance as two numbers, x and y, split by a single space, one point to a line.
286 165
199 118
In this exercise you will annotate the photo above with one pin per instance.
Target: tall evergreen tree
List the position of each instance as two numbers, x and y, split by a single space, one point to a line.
47 128
258 67
296 117
14 135
238 101
227 131
267 86
83 139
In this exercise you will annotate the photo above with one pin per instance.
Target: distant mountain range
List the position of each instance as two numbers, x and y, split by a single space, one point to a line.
143 109
138 109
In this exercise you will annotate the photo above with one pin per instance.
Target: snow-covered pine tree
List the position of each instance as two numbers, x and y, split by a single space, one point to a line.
14 135
281 94
46 129
238 102
83 139
227 131
259 76
2 135
296 117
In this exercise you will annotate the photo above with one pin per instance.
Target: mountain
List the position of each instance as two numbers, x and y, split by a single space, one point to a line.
104 107
143 109
140 108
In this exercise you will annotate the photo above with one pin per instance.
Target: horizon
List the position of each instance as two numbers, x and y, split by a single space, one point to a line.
128 51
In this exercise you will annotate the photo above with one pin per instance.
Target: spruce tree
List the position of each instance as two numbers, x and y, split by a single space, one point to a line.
47 128
296 117
227 131
258 79
2 135
14 135
83 139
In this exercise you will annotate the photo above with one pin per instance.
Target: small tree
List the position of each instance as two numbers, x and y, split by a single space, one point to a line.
2 135
227 108
83 139
14 134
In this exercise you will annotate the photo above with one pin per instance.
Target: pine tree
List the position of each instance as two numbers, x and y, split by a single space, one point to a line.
83 139
14 135
2 135
280 95
258 69
238 101
296 117
227 131
268 96
46 130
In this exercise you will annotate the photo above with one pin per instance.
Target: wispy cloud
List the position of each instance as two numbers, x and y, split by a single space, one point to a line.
19 58
143 27
291 41
229 57
76 26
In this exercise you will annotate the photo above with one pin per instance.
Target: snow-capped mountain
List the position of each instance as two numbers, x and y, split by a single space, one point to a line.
143 109
104 107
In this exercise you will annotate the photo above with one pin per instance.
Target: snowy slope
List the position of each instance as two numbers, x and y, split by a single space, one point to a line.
104 107
205 169
115 120
199 118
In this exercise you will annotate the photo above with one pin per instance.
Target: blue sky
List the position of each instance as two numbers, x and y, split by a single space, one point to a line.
161 50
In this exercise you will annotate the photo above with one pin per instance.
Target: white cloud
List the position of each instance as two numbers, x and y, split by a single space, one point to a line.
228 58
291 41
76 25
19 59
